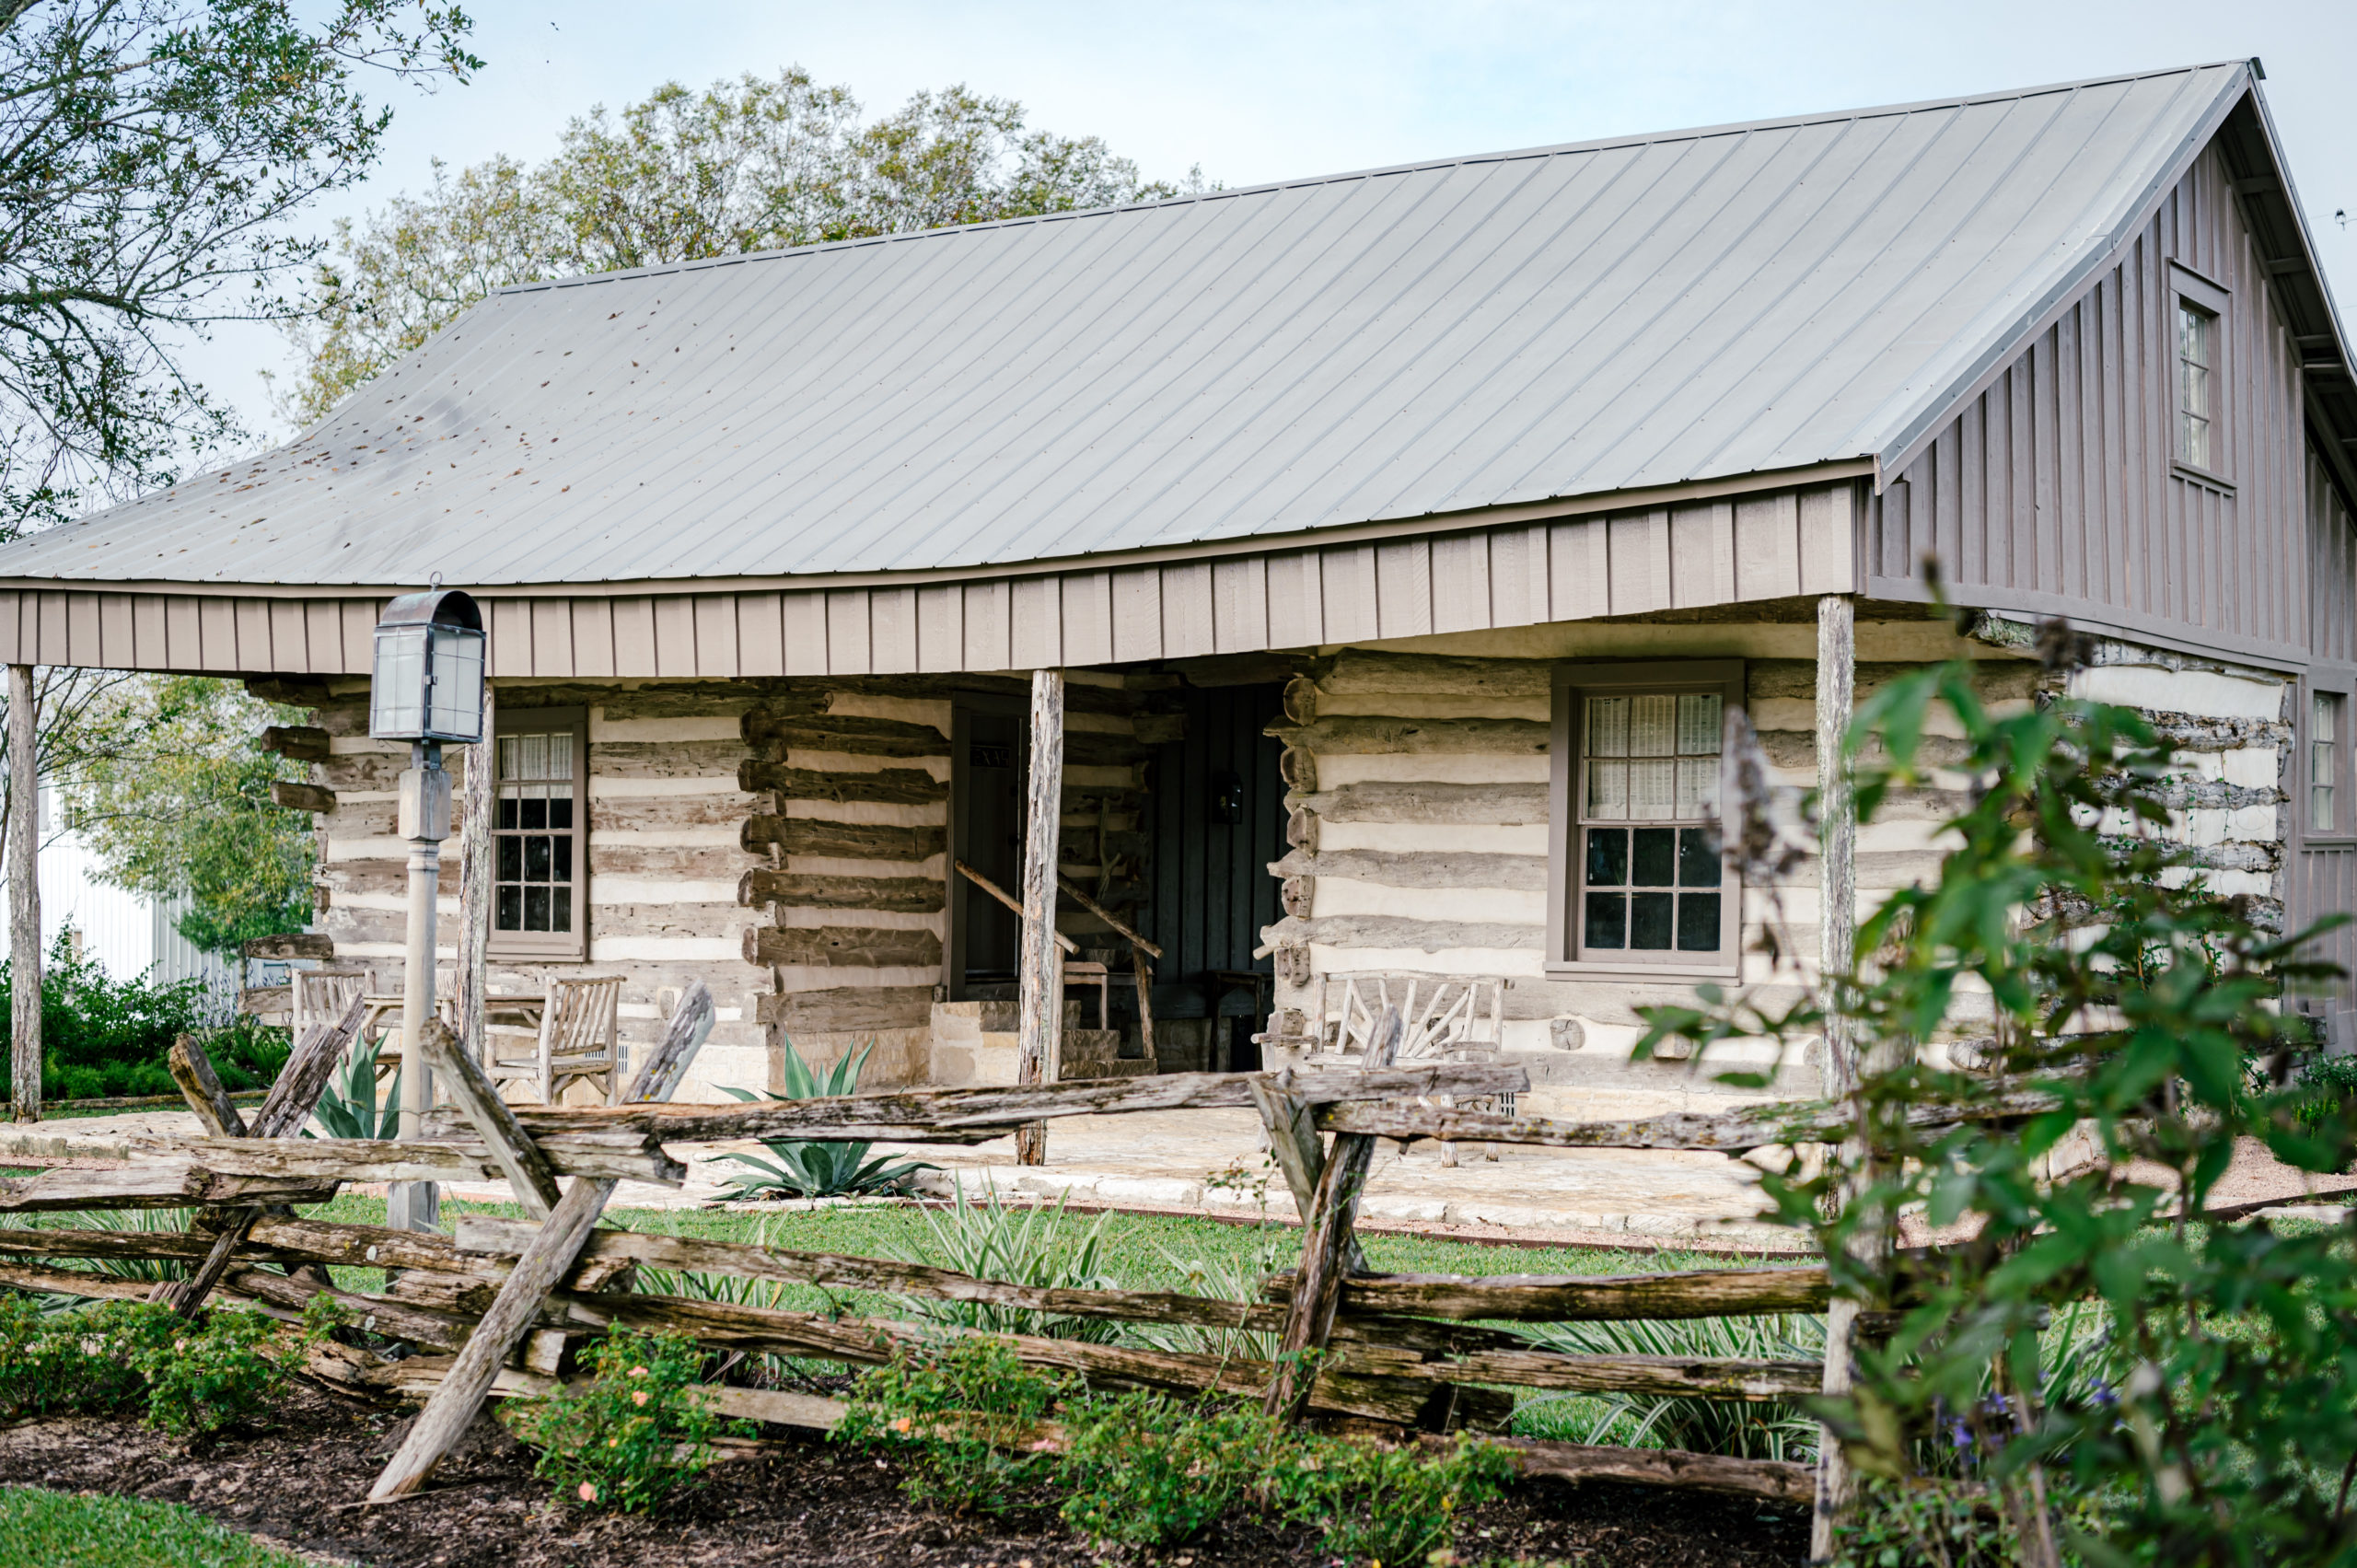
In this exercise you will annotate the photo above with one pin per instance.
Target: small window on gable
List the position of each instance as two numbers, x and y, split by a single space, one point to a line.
2197 331
2198 377
539 834
1638 875
2327 734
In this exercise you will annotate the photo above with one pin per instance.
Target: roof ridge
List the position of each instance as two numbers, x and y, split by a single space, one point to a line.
1417 166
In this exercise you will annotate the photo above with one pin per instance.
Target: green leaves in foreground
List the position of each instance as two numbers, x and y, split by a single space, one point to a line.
2075 947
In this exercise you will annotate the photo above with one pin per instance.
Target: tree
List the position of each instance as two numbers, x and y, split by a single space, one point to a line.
155 156
179 802
751 165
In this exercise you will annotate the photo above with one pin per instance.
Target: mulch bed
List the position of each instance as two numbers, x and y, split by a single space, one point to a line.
809 1504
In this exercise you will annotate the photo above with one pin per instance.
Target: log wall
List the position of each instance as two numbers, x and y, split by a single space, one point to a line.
666 812
1419 805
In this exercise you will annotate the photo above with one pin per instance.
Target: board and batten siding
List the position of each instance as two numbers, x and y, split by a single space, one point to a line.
1627 560
2055 490
2323 878
666 815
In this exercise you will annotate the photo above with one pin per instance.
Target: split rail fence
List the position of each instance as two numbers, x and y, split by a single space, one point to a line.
490 1309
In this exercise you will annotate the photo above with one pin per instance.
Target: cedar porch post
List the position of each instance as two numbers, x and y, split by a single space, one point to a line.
1041 965
1836 926
23 897
475 881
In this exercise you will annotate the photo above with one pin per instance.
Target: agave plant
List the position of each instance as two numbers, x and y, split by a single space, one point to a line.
1035 1245
147 1271
798 1168
348 1106
1770 1429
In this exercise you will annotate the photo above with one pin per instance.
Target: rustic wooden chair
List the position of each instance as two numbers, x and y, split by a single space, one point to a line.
323 997
1447 1017
579 1038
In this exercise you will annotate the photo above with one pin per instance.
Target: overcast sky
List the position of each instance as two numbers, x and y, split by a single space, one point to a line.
1280 88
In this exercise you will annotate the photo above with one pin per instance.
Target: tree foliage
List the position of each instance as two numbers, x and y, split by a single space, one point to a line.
180 803
2213 1418
155 156
750 165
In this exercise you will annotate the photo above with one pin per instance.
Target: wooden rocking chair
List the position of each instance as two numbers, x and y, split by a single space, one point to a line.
580 1038
1447 1018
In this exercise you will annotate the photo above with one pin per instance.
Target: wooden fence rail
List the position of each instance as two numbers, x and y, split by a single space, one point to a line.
501 1298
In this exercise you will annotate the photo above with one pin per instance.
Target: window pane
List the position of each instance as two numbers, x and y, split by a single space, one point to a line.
505 816
536 908
511 860
560 914
1655 857
561 807
1607 726
2328 717
1700 724
511 756
1608 790
1652 726
535 757
562 845
1607 920
2194 330
1608 858
532 813
1652 790
2320 809
536 859
1697 858
511 908
1697 786
1697 923
1649 921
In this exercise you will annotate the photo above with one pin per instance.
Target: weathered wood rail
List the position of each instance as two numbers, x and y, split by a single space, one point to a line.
497 1301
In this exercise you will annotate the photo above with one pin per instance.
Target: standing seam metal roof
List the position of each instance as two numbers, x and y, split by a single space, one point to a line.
1388 344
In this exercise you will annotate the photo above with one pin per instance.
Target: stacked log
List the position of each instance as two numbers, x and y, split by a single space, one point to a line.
1419 818
851 831
666 812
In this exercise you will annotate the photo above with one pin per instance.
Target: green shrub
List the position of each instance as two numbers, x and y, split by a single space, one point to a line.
102 1037
85 1363
799 1169
968 1412
1147 1470
193 1379
1384 1505
639 1430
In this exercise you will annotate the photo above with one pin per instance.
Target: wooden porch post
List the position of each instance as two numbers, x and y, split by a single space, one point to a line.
475 881
24 896
1041 965
1836 926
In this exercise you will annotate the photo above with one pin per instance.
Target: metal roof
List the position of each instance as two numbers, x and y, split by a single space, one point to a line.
1386 345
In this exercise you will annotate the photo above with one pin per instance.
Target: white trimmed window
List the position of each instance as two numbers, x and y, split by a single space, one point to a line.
2327 737
2199 347
540 835
1639 813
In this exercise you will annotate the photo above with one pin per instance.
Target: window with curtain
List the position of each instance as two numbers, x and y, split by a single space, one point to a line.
540 872
1643 881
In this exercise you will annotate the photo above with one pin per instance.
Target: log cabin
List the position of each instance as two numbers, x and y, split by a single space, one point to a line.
1399 542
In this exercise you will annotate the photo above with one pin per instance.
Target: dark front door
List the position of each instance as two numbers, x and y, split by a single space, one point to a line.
1217 814
989 837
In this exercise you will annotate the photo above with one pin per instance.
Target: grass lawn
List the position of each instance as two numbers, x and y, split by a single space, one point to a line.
56 1529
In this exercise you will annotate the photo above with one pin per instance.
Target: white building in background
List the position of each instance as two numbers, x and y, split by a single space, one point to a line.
129 934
